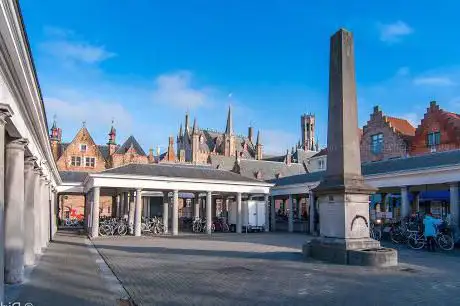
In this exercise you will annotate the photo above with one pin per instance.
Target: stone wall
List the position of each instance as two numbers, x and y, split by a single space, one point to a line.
128 158
76 203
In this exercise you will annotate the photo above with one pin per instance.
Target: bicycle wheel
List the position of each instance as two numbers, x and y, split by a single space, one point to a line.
196 228
416 243
225 228
122 229
445 242
377 235
213 228
104 230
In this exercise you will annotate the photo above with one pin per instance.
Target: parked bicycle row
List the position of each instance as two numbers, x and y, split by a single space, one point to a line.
417 232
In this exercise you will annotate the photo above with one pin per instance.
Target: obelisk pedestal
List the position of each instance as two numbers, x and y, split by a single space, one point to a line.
343 197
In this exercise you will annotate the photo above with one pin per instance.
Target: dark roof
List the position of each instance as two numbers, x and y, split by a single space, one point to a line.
182 171
131 141
250 167
321 153
433 160
73 176
104 151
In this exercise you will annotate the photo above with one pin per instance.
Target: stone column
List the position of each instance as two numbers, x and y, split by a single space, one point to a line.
14 211
131 212
405 203
454 205
43 212
267 213
291 214
29 211
208 212
175 213
239 217
95 213
272 214
138 213
196 206
166 211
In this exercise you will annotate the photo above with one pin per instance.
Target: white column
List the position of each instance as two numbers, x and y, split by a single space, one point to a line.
43 205
14 211
4 113
267 213
37 211
125 203
272 214
454 205
29 211
196 206
291 214
239 217
118 206
54 211
166 211
131 212
95 213
175 213
208 212
405 204
149 202
138 213
311 215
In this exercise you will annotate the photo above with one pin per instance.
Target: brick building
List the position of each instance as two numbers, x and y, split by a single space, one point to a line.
385 137
438 131
83 155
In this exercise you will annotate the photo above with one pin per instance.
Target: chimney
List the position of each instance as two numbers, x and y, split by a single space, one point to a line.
150 156
288 157
250 134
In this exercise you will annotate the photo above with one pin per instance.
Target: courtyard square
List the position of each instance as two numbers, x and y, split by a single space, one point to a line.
268 269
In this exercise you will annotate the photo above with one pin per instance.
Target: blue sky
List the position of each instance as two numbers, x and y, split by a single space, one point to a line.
144 63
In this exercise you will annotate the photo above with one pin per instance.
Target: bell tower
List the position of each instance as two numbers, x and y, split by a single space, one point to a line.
307 125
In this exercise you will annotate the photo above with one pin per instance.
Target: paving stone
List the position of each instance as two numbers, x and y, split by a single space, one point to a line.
267 269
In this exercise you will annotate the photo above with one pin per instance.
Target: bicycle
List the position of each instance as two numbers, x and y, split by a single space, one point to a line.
418 241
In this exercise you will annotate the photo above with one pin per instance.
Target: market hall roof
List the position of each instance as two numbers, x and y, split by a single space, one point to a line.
73 176
427 161
179 171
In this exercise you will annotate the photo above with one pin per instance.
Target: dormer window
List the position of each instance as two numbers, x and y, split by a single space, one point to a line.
83 147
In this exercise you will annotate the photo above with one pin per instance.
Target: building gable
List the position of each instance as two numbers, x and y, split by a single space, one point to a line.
384 137
82 154
437 120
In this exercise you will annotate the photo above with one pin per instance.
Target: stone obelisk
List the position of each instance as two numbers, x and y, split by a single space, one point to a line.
343 197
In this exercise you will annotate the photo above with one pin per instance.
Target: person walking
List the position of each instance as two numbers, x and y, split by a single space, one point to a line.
430 223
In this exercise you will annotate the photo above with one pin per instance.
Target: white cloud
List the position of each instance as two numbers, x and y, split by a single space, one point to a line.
394 32
434 81
64 45
177 90
276 142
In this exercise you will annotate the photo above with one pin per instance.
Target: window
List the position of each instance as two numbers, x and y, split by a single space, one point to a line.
75 161
377 143
82 147
90 161
321 164
433 139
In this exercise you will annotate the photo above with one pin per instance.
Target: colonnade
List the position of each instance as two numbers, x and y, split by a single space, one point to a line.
27 207
132 205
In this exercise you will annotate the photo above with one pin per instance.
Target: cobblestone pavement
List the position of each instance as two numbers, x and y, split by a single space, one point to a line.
67 274
267 269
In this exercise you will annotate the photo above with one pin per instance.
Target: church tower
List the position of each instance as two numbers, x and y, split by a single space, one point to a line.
307 124
112 144
229 137
55 139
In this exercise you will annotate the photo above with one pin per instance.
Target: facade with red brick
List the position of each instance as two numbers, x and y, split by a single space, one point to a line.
385 137
438 131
